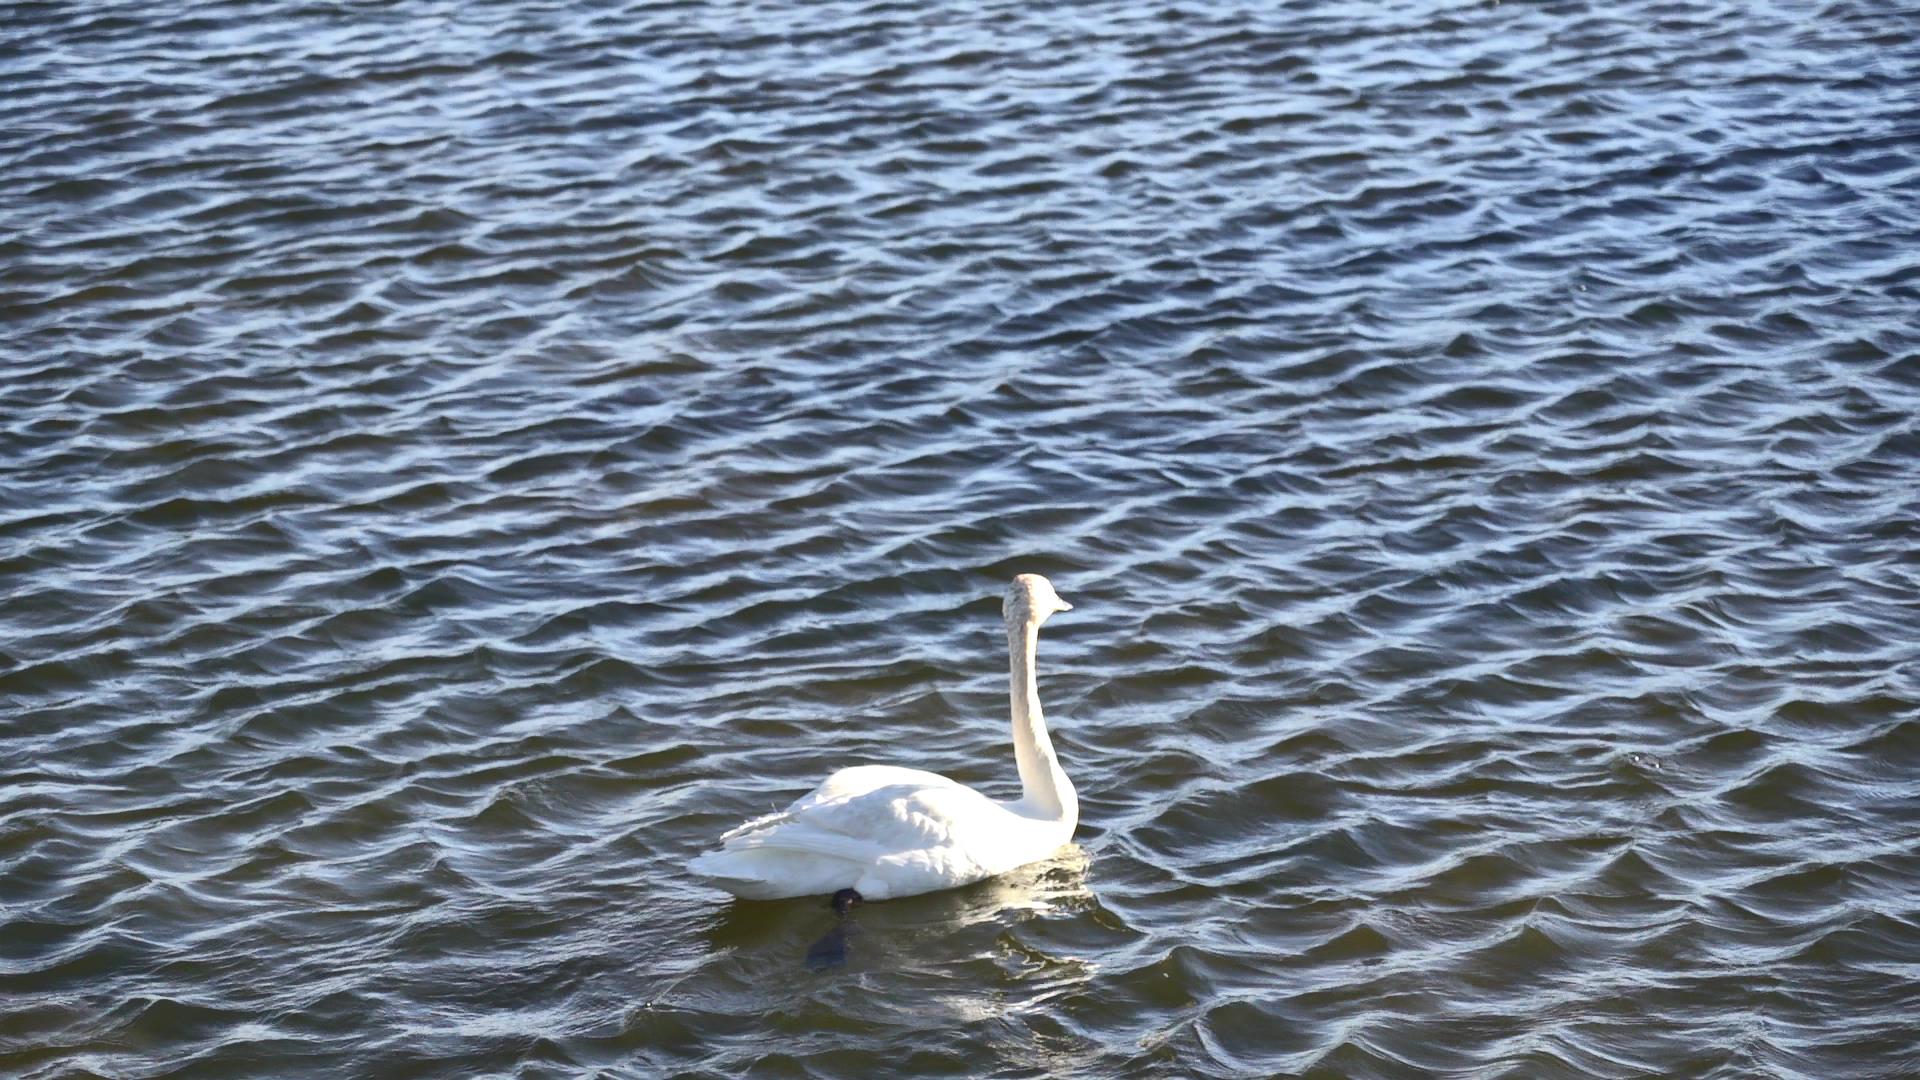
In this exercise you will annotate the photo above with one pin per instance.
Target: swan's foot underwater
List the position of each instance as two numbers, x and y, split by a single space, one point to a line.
831 950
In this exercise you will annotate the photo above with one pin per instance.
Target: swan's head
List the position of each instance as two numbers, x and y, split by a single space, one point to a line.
1031 599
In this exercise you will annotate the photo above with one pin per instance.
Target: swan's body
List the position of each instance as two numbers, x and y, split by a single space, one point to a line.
890 832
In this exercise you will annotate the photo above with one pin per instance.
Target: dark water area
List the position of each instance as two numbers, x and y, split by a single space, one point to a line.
456 459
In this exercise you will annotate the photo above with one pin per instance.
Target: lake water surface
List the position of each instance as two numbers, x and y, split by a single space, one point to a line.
457 458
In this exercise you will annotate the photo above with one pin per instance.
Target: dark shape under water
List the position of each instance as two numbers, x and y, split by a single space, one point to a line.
831 950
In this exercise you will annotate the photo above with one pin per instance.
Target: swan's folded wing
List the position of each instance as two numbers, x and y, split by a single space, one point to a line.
867 826
847 784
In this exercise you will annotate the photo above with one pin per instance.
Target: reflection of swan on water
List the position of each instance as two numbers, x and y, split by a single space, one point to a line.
971 959
1053 888
767 945
890 832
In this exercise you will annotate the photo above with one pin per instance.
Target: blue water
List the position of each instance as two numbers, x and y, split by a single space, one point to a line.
457 459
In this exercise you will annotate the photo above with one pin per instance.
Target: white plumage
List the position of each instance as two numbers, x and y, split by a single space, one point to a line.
891 832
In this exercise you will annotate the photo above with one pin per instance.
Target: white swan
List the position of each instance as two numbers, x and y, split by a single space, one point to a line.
890 832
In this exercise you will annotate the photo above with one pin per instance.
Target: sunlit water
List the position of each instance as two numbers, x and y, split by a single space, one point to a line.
456 459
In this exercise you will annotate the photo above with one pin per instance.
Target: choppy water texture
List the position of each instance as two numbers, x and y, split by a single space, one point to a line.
458 458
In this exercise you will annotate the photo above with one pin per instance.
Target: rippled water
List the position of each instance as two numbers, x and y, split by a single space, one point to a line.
458 458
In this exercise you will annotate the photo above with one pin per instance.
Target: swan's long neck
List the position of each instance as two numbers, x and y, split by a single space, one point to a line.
1045 789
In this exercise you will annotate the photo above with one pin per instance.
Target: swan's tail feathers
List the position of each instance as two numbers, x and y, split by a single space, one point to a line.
723 870
720 866
772 875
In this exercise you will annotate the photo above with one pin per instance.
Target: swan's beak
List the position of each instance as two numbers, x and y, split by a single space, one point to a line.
1062 605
